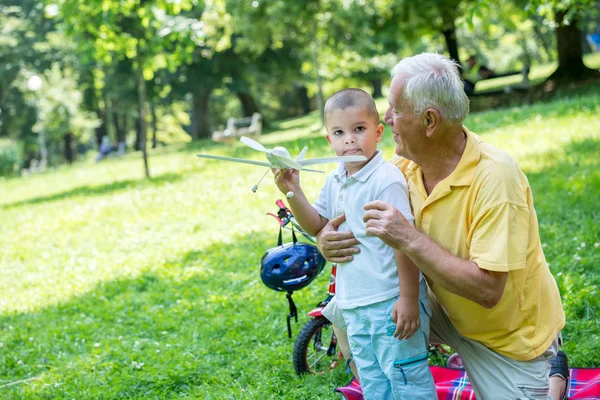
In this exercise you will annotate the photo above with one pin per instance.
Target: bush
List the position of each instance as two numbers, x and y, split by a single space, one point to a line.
11 157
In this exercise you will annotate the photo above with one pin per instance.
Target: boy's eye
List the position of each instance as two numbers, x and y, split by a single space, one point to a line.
359 128
338 132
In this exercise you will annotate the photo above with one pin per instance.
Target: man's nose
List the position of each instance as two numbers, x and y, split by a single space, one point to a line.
387 116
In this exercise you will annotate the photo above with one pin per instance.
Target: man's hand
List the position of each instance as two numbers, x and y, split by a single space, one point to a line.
406 316
388 224
337 246
287 180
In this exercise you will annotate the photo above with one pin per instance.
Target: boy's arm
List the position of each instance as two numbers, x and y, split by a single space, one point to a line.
406 309
309 219
306 215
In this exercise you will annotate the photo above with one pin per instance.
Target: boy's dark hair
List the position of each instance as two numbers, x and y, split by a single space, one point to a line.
351 98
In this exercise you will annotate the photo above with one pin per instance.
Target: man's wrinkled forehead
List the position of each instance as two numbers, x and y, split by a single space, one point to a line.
396 93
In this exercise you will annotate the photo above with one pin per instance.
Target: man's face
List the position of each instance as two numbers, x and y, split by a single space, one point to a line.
406 124
353 132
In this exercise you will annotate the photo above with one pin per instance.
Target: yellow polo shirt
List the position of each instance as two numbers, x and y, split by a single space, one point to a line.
483 212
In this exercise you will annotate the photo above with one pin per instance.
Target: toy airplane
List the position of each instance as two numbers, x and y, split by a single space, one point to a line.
280 158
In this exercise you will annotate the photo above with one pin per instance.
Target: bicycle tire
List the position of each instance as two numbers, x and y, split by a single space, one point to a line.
311 338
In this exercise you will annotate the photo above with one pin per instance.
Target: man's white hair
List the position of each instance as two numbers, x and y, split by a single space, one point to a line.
433 81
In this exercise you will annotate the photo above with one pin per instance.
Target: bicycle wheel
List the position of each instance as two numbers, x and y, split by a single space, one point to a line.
315 350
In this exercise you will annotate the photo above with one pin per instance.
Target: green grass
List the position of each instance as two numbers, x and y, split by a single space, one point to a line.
113 286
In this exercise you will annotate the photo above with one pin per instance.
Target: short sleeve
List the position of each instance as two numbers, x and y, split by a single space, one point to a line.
396 194
499 237
321 203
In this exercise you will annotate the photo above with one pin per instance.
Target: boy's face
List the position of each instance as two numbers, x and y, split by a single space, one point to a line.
353 132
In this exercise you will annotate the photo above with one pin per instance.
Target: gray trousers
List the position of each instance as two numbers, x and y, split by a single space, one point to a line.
492 375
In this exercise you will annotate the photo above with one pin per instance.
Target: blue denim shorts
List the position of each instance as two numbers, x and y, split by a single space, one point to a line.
390 368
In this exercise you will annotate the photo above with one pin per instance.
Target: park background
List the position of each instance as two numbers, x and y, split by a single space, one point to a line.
138 276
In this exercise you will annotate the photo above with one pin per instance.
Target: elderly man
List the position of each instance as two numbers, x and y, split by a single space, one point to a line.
475 236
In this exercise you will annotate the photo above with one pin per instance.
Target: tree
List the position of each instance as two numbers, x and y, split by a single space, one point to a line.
25 51
566 14
138 30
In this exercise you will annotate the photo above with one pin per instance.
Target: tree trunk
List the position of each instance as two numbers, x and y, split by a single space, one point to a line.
120 133
319 81
249 105
376 84
101 130
68 140
141 86
154 123
304 100
570 52
138 135
43 150
451 43
200 116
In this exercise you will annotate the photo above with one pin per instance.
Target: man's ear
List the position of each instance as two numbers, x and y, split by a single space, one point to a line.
328 138
379 132
431 121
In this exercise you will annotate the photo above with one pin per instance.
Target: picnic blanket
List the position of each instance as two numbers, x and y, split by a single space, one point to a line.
453 384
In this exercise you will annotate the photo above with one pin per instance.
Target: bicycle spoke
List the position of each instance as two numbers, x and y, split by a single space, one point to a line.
317 360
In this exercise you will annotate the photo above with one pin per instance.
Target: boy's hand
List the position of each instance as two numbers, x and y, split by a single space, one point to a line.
287 180
406 316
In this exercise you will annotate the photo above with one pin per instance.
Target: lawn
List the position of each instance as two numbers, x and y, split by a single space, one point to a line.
113 286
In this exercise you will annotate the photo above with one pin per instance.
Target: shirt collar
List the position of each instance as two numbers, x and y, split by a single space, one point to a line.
465 169
364 173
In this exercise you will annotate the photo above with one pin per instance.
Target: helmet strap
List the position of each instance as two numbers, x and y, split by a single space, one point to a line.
280 240
293 313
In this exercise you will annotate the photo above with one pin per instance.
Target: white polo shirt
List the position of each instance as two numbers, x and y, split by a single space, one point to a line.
372 276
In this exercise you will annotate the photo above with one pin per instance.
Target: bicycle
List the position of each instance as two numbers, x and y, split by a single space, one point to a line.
315 348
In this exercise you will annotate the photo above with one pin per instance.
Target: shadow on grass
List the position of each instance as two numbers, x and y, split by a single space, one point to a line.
202 325
96 190
539 92
519 110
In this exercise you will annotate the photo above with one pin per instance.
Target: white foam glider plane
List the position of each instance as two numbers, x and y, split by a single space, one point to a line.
279 157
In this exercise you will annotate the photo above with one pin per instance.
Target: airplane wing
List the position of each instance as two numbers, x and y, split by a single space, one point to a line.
287 162
302 154
253 144
238 160
327 160
312 170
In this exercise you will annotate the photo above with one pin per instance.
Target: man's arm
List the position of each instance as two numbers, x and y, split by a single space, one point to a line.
461 277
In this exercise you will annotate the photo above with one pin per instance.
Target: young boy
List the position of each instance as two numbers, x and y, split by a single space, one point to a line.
381 293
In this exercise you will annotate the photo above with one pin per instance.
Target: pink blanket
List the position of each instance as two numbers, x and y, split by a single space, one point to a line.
453 384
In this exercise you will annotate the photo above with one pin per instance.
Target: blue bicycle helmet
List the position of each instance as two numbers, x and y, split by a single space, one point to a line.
291 266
